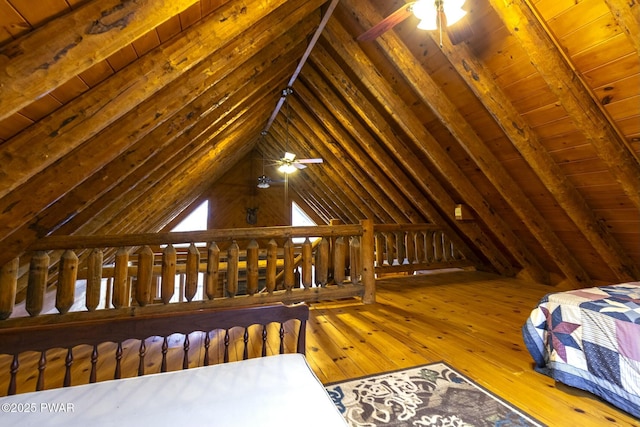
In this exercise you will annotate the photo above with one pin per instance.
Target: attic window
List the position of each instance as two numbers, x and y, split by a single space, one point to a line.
196 220
300 218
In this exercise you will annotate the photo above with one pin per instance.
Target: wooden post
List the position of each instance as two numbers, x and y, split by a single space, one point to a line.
8 287
168 286
379 248
233 259
322 262
289 276
121 279
65 294
252 267
213 268
307 263
355 267
272 265
193 265
144 276
94 279
368 272
339 258
37 284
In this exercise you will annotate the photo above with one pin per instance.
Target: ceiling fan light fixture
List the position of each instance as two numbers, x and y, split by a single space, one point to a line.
287 167
430 12
264 181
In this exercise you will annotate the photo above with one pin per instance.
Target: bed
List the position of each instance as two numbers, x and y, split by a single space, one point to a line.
590 339
277 389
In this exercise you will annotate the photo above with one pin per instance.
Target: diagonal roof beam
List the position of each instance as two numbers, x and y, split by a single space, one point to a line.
400 112
42 60
557 71
432 96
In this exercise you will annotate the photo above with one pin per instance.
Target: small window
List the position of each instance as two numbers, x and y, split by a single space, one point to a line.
196 220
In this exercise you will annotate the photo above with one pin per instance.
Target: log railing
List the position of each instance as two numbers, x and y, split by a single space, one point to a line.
407 248
238 267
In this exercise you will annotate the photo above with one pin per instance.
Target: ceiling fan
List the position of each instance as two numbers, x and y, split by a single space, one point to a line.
433 15
288 163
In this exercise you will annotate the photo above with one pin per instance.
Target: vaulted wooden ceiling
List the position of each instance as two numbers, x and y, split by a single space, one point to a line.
115 115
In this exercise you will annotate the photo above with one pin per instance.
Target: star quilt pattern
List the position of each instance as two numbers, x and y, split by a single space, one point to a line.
590 339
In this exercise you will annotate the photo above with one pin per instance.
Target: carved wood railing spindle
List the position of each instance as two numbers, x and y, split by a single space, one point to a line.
233 261
142 351
13 371
252 267
185 349
322 263
165 349
8 287
390 247
264 341
108 293
67 276
117 374
94 364
438 250
94 279
272 265
245 347
144 276
420 247
213 269
191 279
411 247
339 257
226 346
401 247
42 364
307 263
430 240
207 344
168 286
355 268
68 362
379 248
37 282
281 335
121 279
289 265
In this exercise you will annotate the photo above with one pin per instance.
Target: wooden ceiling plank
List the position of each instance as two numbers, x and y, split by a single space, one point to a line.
363 165
479 79
42 60
65 129
574 95
419 174
499 178
334 171
402 114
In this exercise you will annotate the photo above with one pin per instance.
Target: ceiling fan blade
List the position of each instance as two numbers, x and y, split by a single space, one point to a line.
298 165
387 23
309 161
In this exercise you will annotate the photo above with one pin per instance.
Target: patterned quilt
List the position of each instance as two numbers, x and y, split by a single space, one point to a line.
590 339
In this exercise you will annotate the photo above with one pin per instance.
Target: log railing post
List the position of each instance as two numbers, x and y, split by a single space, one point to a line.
272 265
322 263
368 272
168 286
233 260
8 287
144 276
94 279
252 267
339 259
307 263
65 294
37 283
213 270
289 264
121 279
191 275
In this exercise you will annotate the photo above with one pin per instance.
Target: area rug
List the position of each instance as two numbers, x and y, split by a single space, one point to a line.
428 395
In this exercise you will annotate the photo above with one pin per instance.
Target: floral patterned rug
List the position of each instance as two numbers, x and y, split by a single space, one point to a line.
428 395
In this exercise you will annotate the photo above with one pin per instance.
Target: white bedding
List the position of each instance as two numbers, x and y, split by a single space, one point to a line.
267 391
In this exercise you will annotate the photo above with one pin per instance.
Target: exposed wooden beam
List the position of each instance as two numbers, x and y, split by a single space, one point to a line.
364 168
42 191
627 15
572 93
68 127
47 57
434 97
352 54
482 83
420 176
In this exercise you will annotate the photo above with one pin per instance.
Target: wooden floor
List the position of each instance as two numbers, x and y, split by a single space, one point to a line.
471 320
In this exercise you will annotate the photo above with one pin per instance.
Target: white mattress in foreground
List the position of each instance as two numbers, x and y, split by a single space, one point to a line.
268 391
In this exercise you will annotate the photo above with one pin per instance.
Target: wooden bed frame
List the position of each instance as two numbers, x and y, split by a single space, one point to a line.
43 337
